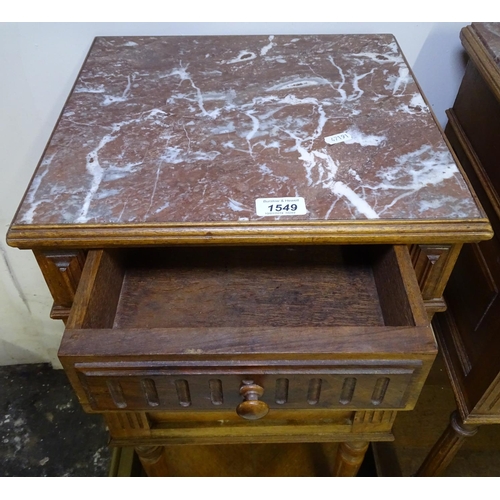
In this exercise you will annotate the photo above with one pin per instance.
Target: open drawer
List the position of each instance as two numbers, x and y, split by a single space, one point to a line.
248 328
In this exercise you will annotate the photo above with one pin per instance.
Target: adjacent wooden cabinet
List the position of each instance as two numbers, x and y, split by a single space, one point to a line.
469 331
247 238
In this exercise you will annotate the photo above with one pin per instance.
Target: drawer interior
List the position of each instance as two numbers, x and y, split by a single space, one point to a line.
238 287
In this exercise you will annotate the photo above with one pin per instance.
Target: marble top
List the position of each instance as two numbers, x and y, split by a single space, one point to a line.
489 33
195 129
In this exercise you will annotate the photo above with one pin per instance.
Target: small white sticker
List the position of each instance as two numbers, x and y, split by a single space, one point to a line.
335 139
280 206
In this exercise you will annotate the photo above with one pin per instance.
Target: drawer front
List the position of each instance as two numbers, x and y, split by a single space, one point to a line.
344 387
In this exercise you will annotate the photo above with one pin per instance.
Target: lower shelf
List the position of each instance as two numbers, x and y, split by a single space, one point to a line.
298 460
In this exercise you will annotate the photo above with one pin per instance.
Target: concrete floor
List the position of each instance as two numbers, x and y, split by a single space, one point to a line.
416 432
43 430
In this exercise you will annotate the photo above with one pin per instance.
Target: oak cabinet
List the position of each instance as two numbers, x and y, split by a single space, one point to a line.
247 237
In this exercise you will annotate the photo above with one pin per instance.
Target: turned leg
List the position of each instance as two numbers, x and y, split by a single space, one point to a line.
446 447
349 458
153 460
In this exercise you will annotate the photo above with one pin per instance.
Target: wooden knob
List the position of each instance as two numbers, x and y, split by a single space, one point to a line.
251 408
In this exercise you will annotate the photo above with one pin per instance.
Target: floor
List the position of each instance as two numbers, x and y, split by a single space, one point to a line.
417 431
44 432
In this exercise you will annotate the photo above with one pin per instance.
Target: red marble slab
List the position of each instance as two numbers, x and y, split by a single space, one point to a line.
489 34
195 129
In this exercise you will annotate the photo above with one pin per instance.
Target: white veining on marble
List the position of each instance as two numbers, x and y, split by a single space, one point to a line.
341 83
398 84
236 206
154 188
264 169
114 172
96 171
392 56
243 56
176 154
354 174
83 88
162 207
31 195
359 203
416 105
264 50
299 83
255 128
111 99
414 171
183 74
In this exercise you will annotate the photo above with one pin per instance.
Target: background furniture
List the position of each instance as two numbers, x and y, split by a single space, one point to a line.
468 332
196 313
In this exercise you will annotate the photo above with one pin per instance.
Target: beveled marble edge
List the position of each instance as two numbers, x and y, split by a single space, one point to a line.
317 232
481 57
